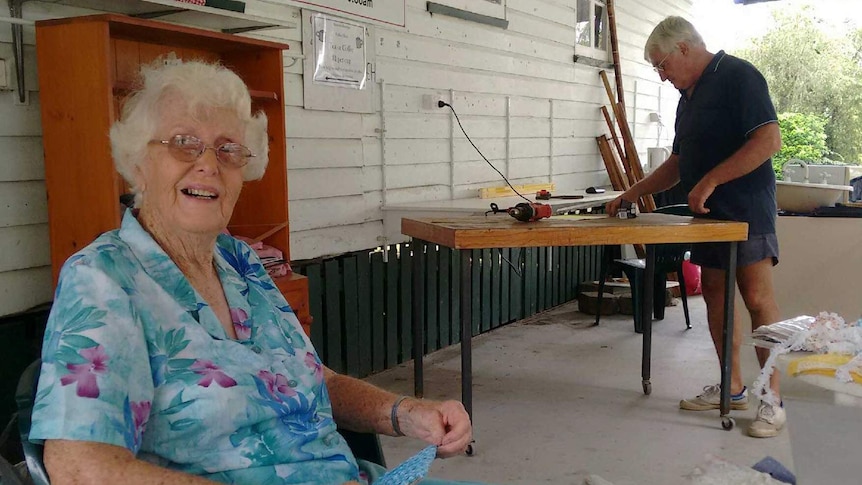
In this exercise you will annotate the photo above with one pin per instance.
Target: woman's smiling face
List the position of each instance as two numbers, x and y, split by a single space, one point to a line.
196 197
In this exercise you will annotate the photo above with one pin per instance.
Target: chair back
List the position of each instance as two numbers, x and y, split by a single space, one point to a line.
669 256
25 397
8 475
675 209
365 446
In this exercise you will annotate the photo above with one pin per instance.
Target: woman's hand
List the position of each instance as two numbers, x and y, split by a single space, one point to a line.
445 424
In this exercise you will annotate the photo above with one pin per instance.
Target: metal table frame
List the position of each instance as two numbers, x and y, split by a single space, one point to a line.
646 309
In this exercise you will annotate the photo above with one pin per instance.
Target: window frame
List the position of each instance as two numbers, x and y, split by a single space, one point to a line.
591 51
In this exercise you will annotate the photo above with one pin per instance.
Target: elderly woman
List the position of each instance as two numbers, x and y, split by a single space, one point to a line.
169 355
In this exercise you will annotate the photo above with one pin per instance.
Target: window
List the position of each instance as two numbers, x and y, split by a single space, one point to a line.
591 29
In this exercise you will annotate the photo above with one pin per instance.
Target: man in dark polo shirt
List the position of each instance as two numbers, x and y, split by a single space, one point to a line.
726 132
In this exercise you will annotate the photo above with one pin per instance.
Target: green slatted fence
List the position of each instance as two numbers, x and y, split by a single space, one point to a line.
362 304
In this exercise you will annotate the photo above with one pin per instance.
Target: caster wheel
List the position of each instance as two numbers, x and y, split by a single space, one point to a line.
471 449
647 387
727 423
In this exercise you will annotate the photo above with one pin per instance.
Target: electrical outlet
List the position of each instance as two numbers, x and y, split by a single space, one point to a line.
429 102
655 117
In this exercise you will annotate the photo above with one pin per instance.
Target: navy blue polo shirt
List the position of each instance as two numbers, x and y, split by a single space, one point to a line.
729 101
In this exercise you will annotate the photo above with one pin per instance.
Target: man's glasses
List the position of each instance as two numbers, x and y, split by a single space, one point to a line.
188 148
660 66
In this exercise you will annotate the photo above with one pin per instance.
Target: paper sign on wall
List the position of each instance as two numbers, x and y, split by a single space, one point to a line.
339 53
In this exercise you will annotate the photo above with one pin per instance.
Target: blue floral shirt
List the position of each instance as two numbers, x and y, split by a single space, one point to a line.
134 357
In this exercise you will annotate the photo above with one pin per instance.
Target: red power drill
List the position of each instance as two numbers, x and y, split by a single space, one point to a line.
531 212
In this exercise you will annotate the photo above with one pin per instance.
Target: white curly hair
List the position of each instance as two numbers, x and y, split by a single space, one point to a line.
202 86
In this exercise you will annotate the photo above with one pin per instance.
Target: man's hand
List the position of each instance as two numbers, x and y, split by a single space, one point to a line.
445 424
613 207
698 196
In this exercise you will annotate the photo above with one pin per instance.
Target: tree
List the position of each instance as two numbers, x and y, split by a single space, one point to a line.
810 72
802 136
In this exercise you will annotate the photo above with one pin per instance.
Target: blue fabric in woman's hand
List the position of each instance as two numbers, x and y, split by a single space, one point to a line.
412 469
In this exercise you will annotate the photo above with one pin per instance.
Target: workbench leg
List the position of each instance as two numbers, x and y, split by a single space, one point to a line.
418 247
727 336
646 316
467 339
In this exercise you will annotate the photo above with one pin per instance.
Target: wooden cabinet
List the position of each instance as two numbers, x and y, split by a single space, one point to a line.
86 67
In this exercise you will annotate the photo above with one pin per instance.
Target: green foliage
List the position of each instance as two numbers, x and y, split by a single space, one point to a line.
803 136
813 72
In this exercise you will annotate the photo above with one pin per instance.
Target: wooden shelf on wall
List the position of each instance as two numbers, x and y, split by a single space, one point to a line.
87 65
122 89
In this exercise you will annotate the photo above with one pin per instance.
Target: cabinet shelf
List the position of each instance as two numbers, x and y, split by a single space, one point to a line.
122 88
87 65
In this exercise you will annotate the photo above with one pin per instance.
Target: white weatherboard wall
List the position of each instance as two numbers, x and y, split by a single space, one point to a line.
25 271
531 110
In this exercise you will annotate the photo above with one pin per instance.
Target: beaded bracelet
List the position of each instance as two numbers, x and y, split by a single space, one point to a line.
394 416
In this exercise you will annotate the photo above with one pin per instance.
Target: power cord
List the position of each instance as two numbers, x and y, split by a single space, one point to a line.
520 256
441 104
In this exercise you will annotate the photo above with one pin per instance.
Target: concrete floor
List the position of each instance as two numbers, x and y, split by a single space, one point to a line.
557 399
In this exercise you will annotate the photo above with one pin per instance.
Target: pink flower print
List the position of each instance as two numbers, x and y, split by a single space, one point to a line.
312 362
85 374
141 413
276 384
240 323
211 372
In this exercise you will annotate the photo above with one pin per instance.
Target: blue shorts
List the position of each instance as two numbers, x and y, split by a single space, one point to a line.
757 248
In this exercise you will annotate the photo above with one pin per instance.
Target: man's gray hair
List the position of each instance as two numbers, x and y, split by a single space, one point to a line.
670 32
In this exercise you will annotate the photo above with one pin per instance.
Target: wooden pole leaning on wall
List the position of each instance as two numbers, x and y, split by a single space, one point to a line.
618 180
634 165
632 161
619 114
627 174
615 170
615 51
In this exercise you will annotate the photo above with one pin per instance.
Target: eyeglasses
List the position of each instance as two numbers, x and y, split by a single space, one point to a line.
660 66
188 148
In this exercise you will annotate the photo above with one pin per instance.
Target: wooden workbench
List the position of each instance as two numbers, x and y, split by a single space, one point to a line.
583 230
500 231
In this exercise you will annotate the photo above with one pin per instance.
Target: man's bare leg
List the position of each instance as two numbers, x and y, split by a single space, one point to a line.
755 286
712 284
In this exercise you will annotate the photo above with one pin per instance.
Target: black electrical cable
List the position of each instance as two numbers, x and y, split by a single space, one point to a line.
441 104
521 259
521 254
